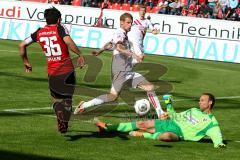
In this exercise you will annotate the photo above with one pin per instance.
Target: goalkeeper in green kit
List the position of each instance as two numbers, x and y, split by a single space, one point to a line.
190 125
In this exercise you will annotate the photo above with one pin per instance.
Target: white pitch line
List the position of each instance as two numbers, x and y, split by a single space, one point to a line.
229 97
17 111
42 115
214 69
25 109
120 104
13 51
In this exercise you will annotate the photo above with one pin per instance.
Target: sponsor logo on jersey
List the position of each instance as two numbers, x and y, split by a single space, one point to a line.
54 59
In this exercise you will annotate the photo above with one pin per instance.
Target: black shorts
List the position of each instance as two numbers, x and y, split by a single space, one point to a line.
62 86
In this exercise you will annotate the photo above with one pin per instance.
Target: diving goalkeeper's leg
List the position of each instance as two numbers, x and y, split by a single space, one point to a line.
127 126
166 136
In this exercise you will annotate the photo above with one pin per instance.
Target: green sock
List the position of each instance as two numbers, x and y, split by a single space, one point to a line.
122 127
153 136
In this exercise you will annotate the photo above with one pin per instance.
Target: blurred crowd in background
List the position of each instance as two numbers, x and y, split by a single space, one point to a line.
215 9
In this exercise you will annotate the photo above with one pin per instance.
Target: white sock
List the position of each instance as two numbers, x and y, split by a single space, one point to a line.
96 101
155 102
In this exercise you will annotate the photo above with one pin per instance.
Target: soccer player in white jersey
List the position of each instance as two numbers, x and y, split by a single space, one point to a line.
122 70
138 32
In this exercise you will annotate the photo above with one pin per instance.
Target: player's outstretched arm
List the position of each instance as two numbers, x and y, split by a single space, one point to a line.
215 134
98 52
155 31
23 53
73 47
107 46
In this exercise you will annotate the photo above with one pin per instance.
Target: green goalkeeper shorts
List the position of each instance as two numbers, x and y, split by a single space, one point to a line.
162 126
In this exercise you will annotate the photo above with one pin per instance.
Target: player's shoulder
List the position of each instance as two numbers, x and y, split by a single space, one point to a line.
34 35
62 26
119 33
37 30
195 109
62 30
212 117
145 20
47 28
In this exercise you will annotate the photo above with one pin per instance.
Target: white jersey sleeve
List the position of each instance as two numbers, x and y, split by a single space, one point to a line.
28 40
118 37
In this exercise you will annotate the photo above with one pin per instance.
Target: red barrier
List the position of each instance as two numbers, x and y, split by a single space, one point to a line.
42 1
76 2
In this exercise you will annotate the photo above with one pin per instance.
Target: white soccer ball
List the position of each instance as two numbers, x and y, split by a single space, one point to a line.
142 107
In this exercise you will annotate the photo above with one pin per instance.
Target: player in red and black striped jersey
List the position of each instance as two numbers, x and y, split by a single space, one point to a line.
51 39
55 41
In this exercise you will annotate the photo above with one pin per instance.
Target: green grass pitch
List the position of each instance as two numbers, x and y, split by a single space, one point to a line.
28 126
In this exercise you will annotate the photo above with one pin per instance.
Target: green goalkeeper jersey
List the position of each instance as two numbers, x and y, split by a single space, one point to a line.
196 124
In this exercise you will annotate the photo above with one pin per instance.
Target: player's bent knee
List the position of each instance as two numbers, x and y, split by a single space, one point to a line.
168 137
144 125
112 97
140 124
148 87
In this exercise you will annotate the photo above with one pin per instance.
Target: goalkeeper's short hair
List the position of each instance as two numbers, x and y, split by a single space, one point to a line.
211 98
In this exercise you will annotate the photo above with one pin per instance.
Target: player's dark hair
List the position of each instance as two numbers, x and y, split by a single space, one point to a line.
211 98
126 15
52 15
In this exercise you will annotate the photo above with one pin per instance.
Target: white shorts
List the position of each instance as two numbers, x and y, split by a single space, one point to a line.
120 78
